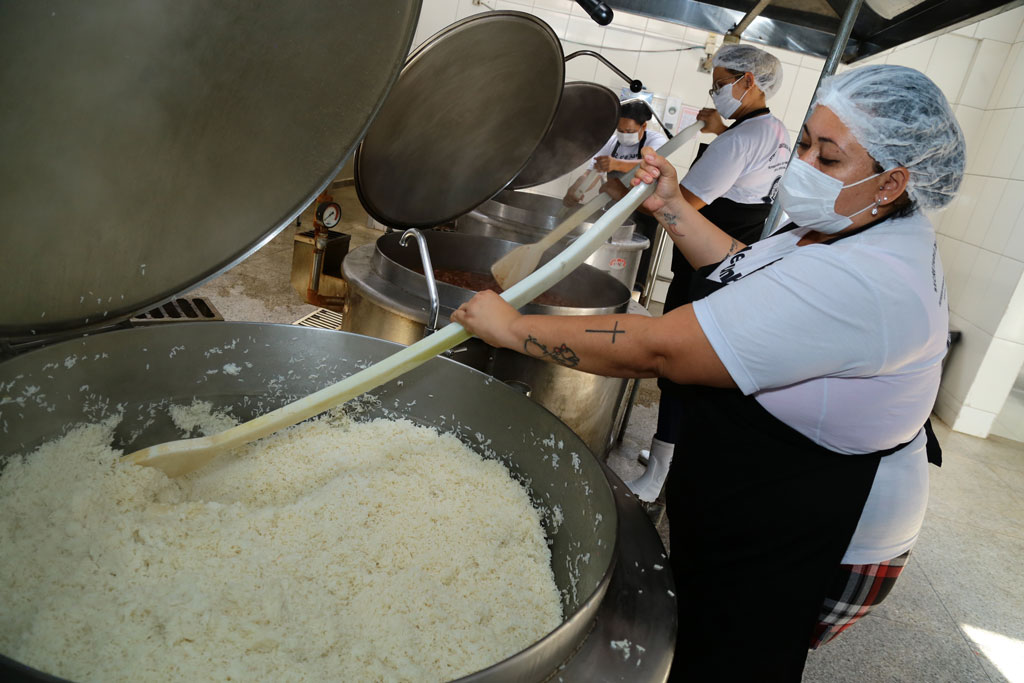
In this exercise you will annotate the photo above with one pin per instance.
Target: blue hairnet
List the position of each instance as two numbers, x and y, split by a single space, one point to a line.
902 119
766 67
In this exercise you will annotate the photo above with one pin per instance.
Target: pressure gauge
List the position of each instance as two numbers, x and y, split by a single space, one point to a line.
329 214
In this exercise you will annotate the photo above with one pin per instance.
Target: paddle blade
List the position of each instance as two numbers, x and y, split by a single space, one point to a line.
177 458
516 264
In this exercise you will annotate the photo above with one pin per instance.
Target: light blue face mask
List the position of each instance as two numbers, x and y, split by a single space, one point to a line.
808 196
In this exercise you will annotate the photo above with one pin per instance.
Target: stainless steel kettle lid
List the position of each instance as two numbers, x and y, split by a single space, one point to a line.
468 111
148 146
586 118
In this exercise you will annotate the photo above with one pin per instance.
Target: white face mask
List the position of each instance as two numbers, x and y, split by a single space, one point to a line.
627 138
725 103
808 196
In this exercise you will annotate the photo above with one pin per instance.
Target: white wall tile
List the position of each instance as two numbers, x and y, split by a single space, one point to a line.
518 5
965 358
1006 279
627 19
803 90
668 29
434 16
1010 90
996 376
949 63
971 122
564 6
582 68
787 57
658 69
1011 327
947 406
1006 216
967 30
812 62
995 125
1009 141
466 9
556 20
974 422
689 84
1020 34
1003 27
985 71
916 56
971 302
700 37
958 273
584 30
1018 170
623 38
779 102
985 207
1015 245
959 213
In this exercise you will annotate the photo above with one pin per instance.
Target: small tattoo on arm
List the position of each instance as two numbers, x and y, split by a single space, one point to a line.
561 354
734 246
669 220
615 331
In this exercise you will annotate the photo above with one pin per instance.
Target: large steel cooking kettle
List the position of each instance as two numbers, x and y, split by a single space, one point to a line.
144 370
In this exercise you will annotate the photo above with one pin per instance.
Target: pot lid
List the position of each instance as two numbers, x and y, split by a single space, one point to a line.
468 111
586 118
149 146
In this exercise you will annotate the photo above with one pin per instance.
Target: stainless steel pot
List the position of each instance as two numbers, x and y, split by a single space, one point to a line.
387 299
525 217
144 370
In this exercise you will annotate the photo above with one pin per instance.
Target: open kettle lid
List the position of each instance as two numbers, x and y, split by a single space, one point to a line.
149 146
469 108
586 118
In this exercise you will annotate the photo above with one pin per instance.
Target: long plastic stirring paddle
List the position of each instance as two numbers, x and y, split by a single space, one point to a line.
521 261
180 457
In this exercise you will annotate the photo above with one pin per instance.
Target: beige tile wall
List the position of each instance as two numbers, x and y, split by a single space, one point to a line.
980 68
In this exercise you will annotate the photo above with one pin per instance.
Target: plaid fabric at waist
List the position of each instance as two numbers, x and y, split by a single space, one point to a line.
855 591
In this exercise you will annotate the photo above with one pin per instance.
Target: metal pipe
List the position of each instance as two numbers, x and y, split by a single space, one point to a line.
428 275
834 55
635 85
739 28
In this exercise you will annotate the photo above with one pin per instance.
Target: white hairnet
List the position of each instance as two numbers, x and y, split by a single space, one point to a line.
902 119
766 67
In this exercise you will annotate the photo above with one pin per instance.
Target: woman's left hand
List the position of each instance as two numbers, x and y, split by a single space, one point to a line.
488 317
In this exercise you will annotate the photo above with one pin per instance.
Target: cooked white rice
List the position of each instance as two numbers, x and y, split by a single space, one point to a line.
331 551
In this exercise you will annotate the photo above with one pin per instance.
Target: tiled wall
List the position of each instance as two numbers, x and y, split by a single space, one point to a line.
981 236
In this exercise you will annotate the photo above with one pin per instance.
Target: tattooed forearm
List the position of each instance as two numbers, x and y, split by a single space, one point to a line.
734 246
670 221
561 354
614 332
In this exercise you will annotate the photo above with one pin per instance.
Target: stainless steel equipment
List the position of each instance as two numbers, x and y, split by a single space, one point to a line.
147 147
525 218
585 120
468 111
86 379
387 299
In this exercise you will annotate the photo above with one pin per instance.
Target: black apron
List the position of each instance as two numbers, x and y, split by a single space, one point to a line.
645 225
760 518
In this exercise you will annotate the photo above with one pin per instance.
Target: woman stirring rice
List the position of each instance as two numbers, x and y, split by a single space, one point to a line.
817 353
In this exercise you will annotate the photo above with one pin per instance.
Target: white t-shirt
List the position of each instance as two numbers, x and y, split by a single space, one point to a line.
744 164
844 343
654 139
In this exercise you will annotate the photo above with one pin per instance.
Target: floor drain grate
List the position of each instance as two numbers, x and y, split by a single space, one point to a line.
322 318
195 309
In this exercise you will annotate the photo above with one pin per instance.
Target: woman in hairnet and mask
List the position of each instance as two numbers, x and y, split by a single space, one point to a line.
618 156
818 353
732 182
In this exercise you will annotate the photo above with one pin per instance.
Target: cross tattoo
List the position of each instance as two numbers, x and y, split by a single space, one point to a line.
614 331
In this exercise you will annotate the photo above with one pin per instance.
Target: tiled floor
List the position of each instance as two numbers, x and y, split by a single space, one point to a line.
956 615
